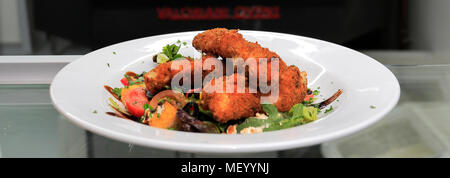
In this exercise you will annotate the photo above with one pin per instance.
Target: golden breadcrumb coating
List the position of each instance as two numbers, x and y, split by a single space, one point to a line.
233 106
161 76
230 106
292 88
230 44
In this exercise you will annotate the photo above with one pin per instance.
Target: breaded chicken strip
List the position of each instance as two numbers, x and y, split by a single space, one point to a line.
161 76
230 106
292 88
230 44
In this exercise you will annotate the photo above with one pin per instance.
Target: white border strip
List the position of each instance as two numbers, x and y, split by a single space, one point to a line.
32 69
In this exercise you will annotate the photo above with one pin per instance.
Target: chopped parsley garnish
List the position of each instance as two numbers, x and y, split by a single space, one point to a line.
184 42
329 109
107 64
140 80
146 106
114 52
95 112
372 107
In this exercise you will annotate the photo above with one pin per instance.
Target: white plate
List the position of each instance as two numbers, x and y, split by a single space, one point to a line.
77 91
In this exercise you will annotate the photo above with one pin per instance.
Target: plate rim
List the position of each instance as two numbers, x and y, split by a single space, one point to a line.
245 148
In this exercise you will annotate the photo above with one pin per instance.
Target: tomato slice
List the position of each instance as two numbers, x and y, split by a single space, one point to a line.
124 81
134 100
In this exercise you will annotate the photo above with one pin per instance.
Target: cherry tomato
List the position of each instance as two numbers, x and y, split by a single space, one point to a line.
134 101
124 81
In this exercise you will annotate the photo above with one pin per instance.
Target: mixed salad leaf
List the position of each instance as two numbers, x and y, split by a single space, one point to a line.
298 115
194 118
118 92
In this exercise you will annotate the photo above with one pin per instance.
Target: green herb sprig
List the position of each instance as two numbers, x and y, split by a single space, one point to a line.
171 51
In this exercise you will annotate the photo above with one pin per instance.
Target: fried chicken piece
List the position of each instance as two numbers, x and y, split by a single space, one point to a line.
230 106
161 76
292 88
230 44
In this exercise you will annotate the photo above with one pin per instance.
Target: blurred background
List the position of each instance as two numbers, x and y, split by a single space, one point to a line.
409 36
74 27
80 26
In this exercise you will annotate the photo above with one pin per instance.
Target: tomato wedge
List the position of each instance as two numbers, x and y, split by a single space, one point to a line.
124 81
134 98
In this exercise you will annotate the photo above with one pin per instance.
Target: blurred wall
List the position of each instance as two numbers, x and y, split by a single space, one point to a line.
9 22
429 24
367 24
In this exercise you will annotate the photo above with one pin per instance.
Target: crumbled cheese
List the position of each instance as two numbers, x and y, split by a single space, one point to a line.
159 109
261 116
250 130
